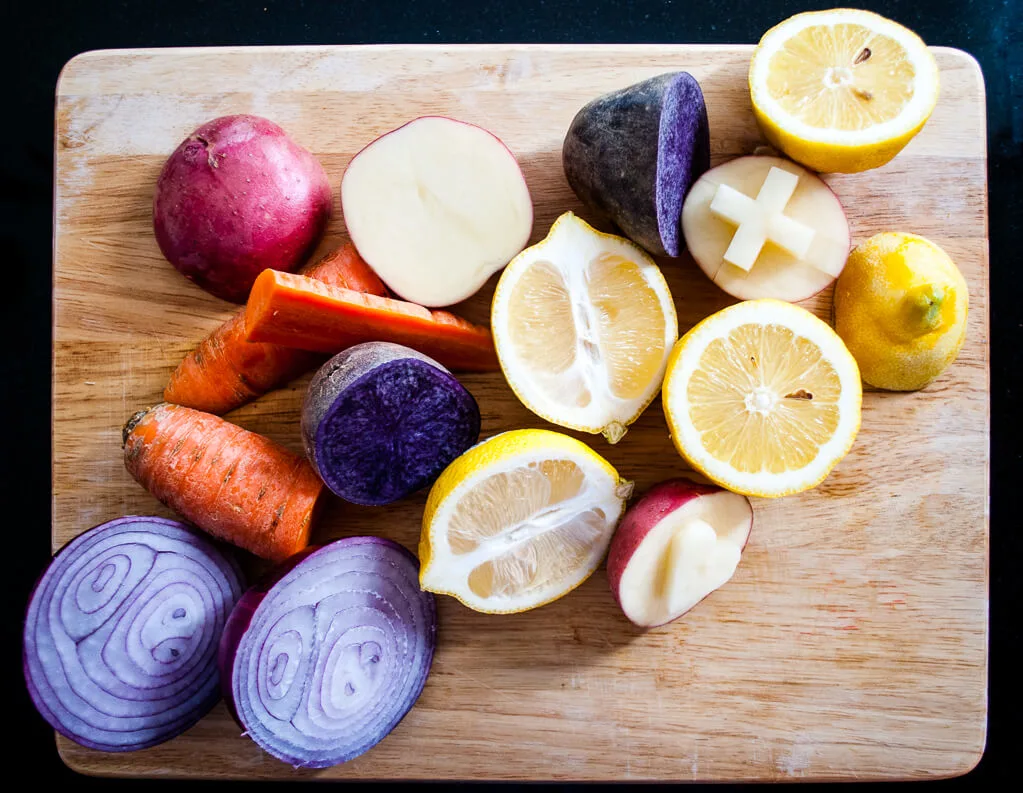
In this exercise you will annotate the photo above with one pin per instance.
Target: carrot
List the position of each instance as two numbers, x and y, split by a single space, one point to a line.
225 371
296 311
234 484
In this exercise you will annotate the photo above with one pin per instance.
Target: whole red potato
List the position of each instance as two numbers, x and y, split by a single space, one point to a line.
236 197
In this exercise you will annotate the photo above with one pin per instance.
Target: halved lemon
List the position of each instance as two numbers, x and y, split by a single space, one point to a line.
763 398
583 323
519 520
842 90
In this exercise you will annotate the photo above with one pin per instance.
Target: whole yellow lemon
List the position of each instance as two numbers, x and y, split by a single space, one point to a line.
900 308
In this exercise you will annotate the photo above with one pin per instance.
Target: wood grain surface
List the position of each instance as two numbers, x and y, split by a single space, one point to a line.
852 642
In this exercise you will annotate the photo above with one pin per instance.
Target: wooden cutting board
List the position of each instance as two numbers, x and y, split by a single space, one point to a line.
852 642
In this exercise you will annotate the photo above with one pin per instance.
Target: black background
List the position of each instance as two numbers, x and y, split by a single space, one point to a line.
39 37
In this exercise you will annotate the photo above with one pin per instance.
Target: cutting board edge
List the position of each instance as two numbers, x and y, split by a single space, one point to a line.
965 57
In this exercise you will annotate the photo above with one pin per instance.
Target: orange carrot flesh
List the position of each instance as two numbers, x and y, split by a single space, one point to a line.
234 484
344 267
296 311
225 371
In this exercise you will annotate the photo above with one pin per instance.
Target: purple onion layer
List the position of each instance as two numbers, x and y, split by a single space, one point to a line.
121 634
333 655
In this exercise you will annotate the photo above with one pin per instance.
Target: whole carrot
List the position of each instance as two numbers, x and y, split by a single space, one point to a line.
232 483
225 371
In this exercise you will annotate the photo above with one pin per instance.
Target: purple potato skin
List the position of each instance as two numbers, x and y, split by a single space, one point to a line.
633 154
381 421
236 197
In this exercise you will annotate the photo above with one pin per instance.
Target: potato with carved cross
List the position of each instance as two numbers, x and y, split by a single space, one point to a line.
766 227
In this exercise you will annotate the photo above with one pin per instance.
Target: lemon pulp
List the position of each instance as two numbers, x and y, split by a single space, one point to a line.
583 323
843 76
519 520
764 398
842 90
525 521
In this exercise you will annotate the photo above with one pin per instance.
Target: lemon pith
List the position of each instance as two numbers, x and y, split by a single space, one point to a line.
842 90
901 307
762 398
583 323
519 520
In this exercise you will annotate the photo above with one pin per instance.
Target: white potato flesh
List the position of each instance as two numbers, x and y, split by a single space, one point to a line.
691 552
435 208
810 223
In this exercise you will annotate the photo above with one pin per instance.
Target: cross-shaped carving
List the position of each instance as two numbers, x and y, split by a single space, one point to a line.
760 220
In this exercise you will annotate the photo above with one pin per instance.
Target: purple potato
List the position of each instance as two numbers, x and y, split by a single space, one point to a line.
381 421
633 155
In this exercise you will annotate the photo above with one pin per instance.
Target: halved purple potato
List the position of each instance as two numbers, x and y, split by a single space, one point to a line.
381 421
633 155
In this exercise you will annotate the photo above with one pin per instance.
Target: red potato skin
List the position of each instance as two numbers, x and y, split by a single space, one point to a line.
642 517
655 505
236 197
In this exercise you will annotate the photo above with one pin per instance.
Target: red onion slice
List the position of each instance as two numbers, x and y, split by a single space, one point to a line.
323 664
122 631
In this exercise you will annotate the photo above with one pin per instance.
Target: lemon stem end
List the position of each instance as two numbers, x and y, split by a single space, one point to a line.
924 304
624 489
614 432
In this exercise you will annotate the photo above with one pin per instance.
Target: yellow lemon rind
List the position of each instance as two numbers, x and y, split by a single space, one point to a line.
888 361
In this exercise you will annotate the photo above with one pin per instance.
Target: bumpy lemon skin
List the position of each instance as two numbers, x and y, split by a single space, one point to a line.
877 316
490 452
829 157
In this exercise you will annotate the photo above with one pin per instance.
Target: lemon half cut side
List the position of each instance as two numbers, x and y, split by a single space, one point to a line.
763 398
583 323
842 90
519 520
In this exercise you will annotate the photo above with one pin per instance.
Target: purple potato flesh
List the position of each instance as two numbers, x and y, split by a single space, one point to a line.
633 155
381 421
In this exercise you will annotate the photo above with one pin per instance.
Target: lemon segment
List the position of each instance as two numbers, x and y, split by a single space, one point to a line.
519 520
583 323
763 398
842 90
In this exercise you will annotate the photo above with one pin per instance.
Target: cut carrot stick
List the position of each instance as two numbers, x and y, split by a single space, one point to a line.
237 485
225 371
296 311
